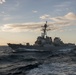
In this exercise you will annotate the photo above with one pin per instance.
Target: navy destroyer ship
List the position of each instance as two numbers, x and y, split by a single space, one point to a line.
43 43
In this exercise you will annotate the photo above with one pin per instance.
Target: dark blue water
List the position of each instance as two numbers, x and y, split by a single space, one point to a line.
16 63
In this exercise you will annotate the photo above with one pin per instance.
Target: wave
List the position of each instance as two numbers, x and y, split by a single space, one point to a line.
37 63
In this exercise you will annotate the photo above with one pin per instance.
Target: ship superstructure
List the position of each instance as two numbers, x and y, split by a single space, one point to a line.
44 40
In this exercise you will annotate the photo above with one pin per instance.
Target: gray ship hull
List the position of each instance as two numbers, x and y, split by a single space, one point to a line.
24 48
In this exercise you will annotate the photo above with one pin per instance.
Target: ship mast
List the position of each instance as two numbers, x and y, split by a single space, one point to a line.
44 29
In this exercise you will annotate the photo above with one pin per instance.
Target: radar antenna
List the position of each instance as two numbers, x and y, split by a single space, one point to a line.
44 29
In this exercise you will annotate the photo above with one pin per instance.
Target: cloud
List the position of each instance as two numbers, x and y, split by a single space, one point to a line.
34 11
1 1
61 21
70 16
57 23
21 27
45 16
66 20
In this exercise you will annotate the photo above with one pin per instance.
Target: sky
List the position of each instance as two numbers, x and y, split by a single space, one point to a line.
21 20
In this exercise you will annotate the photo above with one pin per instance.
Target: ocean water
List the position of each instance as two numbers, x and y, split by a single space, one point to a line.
23 63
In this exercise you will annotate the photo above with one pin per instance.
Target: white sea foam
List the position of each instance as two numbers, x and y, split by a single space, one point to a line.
54 69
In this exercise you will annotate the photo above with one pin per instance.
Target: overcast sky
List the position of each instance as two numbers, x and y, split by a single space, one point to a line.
21 20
